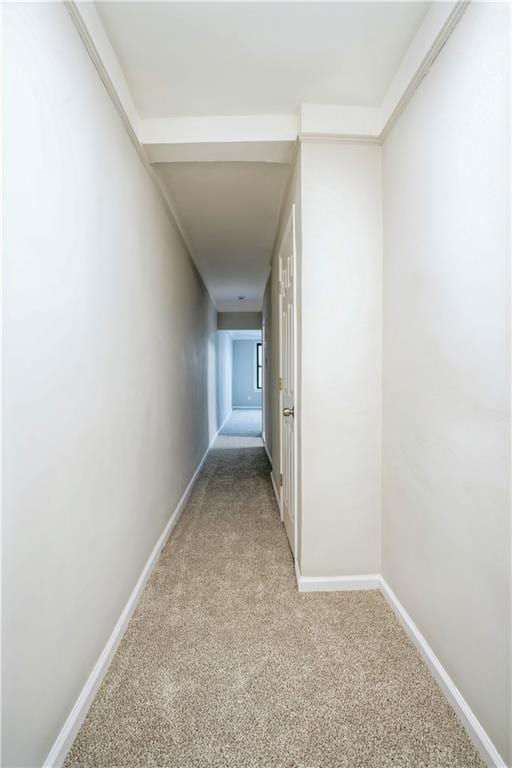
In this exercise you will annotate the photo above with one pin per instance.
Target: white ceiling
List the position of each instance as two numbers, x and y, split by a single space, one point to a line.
229 211
184 60
216 58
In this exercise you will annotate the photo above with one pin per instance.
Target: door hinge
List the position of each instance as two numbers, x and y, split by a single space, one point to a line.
281 479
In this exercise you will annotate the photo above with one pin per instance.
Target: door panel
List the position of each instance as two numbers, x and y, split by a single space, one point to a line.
287 262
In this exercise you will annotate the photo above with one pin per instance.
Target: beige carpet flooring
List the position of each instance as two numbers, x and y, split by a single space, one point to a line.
224 663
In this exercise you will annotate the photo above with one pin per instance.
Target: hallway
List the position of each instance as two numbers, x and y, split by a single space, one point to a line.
244 422
225 664
256 420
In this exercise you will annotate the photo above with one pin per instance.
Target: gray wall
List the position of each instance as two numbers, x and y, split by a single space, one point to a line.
446 437
239 321
245 393
224 367
106 335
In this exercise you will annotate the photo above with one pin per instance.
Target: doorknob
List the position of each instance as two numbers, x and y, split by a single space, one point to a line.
289 411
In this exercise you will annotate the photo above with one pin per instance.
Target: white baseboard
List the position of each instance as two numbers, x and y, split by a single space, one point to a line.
221 426
247 407
277 495
336 583
69 730
476 732
266 450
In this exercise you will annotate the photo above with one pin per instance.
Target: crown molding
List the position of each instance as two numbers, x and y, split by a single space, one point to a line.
88 25
188 136
90 29
337 138
323 123
283 209
439 23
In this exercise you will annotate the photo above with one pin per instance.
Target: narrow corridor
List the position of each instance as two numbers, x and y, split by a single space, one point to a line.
244 422
225 664
244 236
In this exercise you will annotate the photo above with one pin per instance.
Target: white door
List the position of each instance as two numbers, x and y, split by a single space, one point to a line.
287 326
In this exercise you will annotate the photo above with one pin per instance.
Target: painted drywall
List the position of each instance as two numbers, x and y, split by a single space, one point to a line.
245 394
446 440
319 63
229 211
238 321
224 369
341 358
105 383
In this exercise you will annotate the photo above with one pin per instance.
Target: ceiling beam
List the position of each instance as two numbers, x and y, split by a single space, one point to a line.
221 152
232 138
259 136
325 120
181 139
347 123
219 129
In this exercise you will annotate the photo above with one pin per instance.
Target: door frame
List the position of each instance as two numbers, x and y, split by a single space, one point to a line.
263 376
290 228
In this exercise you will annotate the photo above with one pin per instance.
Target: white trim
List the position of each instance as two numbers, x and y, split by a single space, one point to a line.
296 402
277 495
91 25
69 730
248 407
321 122
284 200
479 737
214 129
266 449
474 728
336 119
338 138
221 426
317 122
336 583
101 53
290 229
437 26
297 571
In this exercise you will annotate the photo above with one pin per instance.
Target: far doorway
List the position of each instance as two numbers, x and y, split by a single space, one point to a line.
246 385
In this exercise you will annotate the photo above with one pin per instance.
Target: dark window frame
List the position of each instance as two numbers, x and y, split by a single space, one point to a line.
259 365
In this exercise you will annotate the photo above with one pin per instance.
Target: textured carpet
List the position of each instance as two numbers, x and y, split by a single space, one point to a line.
224 663
246 421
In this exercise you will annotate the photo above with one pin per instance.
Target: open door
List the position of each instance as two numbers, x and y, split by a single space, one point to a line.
288 379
